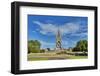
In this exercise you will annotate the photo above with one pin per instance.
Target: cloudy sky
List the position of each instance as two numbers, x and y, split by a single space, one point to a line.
44 28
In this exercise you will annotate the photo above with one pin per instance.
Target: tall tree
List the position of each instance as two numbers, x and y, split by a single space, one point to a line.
81 45
33 46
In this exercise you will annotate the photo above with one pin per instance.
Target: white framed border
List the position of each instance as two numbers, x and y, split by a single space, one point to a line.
25 65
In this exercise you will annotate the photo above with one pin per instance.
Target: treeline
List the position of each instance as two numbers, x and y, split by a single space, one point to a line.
34 46
81 46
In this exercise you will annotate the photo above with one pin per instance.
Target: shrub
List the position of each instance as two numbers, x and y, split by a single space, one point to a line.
81 54
42 51
61 52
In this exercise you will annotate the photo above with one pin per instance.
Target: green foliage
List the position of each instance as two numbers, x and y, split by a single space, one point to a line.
61 52
81 45
33 46
48 49
42 51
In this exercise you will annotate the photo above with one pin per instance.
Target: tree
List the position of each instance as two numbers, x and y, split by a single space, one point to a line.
34 46
76 49
81 45
48 49
42 51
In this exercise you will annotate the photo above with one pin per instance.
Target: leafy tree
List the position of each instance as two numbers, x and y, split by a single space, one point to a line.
33 46
42 51
81 45
75 49
48 49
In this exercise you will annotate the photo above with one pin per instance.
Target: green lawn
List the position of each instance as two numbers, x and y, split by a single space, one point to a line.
36 59
78 57
52 56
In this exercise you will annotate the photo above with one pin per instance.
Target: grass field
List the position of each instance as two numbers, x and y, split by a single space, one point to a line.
52 56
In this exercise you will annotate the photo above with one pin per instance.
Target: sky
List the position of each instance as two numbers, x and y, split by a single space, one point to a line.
44 28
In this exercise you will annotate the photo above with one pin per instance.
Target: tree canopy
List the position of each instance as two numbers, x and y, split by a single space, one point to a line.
81 45
33 46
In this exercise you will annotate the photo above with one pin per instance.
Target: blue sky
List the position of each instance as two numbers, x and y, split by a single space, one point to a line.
44 27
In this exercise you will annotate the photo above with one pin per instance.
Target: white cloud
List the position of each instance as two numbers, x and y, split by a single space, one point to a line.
52 28
69 28
46 28
46 43
79 34
43 32
64 42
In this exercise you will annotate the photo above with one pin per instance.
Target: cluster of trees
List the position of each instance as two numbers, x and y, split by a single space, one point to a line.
81 45
34 46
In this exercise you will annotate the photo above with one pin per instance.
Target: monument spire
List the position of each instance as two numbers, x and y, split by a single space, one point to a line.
58 40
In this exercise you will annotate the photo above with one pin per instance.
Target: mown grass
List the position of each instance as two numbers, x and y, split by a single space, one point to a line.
78 57
37 59
52 56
